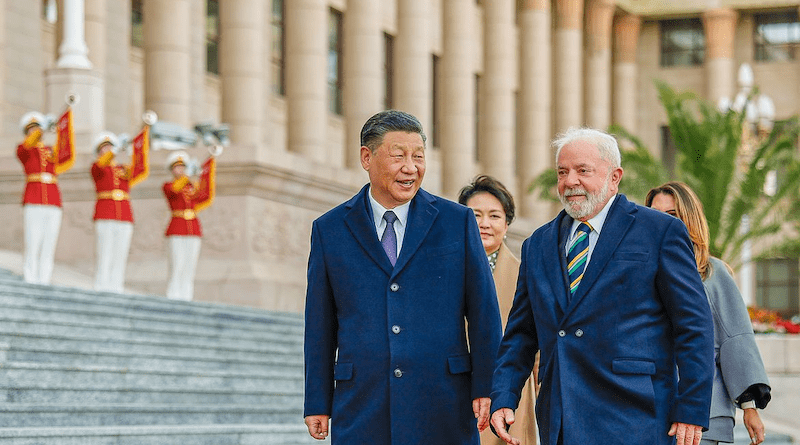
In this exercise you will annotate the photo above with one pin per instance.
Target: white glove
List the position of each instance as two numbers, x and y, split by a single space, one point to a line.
193 169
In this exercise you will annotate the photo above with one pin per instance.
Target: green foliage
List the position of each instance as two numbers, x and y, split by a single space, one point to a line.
708 145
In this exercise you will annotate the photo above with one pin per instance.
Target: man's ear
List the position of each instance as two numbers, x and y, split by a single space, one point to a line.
366 157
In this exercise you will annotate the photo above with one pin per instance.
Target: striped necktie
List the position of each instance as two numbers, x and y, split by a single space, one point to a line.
577 256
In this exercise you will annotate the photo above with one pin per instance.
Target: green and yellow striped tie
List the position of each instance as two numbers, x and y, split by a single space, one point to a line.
577 256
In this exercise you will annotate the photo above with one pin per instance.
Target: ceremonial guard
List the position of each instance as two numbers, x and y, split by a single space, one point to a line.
113 215
185 200
41 203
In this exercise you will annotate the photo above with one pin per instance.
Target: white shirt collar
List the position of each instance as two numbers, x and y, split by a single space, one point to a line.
378 210
596 221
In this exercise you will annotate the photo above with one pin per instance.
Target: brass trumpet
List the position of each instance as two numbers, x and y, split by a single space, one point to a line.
72 99
149 117
215 150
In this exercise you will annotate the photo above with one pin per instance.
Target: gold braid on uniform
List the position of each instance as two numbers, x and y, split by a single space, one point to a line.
493 259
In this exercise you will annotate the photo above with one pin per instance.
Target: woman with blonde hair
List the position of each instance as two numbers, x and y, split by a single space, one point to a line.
739 378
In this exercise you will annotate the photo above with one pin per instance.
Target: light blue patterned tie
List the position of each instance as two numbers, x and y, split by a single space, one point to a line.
389 238
577 256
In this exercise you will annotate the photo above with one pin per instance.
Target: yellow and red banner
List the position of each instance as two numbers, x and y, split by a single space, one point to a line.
64 148
140 163
207 183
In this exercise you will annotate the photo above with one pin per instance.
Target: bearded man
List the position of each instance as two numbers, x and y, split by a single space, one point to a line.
610 294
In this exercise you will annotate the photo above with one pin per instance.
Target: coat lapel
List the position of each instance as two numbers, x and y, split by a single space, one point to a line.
619 219
421 216
558 239
360 223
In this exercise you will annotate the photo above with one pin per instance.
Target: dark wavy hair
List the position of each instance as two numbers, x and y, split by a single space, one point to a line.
487 184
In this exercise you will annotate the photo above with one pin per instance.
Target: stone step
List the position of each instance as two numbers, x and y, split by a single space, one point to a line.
11 326
161 435
22 375
9 275
20 294
178 348
12 287
19 415
169 358
135 317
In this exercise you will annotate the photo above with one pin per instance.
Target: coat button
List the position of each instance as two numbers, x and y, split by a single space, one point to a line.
396 329
579 333
398 373
562 333
394 287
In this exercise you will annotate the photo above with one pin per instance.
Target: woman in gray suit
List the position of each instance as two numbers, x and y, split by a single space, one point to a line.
739 379
493 206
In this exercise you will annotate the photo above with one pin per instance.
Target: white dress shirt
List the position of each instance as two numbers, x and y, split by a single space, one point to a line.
400 211
596 222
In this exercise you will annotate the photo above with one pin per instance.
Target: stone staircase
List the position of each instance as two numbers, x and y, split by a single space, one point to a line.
82 367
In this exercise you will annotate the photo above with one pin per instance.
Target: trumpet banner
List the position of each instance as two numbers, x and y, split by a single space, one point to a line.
64 148
207 184
140 160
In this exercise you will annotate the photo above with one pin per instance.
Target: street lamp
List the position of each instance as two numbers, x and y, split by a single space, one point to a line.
759 121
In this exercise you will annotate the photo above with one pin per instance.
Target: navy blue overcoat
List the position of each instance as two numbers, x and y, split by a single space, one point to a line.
397 354
610 353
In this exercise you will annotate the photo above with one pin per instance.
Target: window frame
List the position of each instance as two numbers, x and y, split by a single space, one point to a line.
762 51
671 54
212 37
335 46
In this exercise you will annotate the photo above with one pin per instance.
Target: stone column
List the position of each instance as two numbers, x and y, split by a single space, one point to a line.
73 50
362 58
167 50
241 70
458 96
306 71
626 37
73 75
597 103
413 67
720 29
568 55
498 114
535 95
96 18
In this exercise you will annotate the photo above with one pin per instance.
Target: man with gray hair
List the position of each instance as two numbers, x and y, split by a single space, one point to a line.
402 322
610 294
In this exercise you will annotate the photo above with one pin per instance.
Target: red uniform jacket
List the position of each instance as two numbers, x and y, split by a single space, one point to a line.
112 185
182 203
40 172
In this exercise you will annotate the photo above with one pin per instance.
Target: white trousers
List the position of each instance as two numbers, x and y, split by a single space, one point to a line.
112 244
184 253
42 224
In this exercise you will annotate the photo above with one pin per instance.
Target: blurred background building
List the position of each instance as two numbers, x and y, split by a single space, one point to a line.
491 80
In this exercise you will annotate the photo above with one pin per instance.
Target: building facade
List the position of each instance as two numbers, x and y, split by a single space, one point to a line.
491 81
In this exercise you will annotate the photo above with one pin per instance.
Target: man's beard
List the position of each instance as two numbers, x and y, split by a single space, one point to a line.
582 209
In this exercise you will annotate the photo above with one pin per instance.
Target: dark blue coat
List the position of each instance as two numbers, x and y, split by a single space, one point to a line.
609 354
404 373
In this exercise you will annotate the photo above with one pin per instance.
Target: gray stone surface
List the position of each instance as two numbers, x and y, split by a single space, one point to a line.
82 367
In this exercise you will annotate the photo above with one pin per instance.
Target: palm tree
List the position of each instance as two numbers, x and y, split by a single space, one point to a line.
727 168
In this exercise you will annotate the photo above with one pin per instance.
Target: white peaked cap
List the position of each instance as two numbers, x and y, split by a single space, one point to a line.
105 137
175 157
29 118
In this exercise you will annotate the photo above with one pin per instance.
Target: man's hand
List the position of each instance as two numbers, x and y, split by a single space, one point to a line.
480 407
501 418
686 434
755 428
318 426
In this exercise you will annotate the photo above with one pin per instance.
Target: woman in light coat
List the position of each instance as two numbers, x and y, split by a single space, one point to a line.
493 206
740 379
